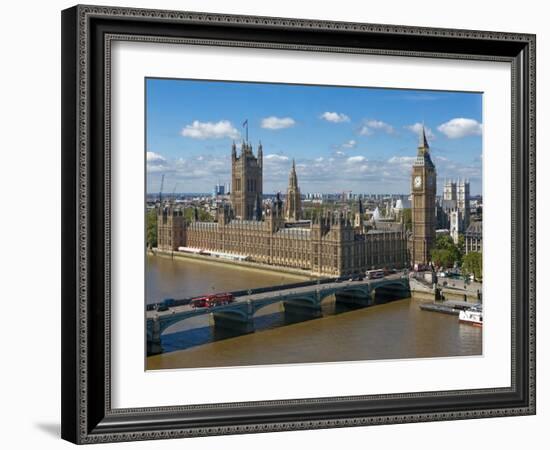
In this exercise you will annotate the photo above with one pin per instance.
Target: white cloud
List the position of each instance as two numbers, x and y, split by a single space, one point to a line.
335 117
316 173
365 131
157 163
210 130
278 123
416 128
356 159
155 158
276 158
349 144
370 126
460 127
402 160
346 145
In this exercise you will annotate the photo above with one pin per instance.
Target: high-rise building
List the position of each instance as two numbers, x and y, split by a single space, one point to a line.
423 188
219 189
293 201
246 181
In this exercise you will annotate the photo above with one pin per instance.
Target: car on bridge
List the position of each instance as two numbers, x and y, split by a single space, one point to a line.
210 301
374 274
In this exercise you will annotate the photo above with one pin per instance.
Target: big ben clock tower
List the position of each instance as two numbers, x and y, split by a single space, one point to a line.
423 186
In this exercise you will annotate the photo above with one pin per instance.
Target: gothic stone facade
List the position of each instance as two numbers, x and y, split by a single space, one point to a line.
453 212
246 182
473 237
171 228
328 245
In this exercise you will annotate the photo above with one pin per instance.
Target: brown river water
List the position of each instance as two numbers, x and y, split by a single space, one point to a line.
394 330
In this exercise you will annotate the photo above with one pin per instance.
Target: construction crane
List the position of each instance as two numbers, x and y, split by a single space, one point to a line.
161 187
174 192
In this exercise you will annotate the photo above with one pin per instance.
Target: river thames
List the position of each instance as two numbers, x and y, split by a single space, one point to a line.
394 330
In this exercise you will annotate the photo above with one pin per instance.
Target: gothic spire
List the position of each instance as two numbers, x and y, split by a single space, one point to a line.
423 155
293 203
260 154
423 141
292 177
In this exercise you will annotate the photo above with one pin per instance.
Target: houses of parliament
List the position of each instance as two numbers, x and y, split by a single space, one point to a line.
332 243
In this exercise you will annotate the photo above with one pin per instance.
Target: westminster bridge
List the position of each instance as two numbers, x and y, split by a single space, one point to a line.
304 301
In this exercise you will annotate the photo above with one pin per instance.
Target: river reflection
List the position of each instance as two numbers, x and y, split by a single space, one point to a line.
398 329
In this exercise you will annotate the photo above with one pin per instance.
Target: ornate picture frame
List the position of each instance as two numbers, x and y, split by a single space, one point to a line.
87 35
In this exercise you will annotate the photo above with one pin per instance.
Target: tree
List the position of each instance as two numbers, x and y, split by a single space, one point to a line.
473 263
443 257
461 244
445 253
151 219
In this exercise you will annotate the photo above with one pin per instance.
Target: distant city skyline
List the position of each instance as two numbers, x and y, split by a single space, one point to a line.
355 139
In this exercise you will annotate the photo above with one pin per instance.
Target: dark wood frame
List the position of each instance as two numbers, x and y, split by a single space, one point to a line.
87 416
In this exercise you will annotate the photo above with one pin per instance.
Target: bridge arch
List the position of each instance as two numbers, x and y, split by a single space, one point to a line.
391 290
238 313
167 323
300 304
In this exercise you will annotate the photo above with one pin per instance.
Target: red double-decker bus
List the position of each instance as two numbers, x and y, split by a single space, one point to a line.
209 301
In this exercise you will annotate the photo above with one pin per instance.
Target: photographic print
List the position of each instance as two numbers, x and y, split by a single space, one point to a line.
298 223
292 201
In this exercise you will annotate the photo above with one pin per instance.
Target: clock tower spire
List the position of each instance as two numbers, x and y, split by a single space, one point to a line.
423 189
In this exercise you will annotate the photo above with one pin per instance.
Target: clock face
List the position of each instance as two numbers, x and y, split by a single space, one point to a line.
417 181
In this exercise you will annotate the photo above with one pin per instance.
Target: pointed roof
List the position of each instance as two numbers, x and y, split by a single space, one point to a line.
423 156
423 141
292 177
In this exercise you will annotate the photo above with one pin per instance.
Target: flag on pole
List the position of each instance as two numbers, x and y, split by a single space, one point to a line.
245 124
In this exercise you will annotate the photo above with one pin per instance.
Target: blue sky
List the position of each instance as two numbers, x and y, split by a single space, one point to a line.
343 138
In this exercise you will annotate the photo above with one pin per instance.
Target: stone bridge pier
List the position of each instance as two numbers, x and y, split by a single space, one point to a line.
363 296
240 321
302 308
390 292
154 346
